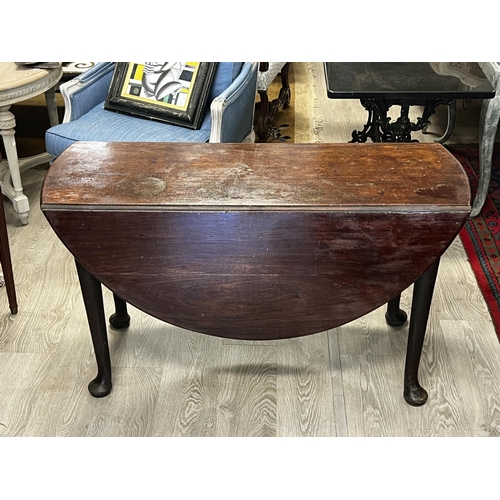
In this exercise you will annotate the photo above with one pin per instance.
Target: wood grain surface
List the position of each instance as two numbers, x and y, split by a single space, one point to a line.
256 241
204 176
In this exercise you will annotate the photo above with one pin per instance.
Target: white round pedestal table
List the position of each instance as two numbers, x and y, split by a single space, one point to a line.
17 84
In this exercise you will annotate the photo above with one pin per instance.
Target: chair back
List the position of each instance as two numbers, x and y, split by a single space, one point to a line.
225 74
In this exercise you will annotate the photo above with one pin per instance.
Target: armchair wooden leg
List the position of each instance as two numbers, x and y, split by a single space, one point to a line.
262 132
267 109
285 92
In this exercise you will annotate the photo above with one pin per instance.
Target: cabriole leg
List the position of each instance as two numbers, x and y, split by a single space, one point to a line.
120 318
395 316
94 307
423 289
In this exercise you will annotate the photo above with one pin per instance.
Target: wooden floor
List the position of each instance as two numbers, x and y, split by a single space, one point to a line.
172 382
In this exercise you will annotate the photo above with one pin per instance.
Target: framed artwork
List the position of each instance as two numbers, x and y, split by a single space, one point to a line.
170 92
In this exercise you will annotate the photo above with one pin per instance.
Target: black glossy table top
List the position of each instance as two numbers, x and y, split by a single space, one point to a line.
417 80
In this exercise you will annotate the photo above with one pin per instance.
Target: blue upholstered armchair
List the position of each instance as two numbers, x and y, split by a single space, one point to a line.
228 117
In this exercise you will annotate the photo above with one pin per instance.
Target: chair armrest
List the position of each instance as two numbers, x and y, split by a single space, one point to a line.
84 92
237 101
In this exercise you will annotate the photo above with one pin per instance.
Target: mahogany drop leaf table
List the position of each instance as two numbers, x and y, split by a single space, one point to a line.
256 241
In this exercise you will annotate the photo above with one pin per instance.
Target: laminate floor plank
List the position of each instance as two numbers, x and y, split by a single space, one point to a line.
247 399
457 295
144 343
304 388
443 414
340 417
187 396
129 410
367 335
22 379
373 395
471 366
65 405
43 312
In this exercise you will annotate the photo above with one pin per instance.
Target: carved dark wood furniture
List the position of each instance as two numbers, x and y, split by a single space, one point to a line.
256 241
6 261
267 109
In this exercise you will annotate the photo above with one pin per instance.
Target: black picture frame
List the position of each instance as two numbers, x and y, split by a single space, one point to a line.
173 93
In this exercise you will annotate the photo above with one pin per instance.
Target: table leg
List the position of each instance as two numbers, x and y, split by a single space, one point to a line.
94 307
50 100
395 316
7 262
120 319
380 128
450 126
423 290
15 191
376 123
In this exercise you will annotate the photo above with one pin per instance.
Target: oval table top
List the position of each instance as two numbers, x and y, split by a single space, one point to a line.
256 241
18 83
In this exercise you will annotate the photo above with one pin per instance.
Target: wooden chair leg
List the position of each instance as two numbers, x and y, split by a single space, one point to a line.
262 132
285 92
267 109
6 261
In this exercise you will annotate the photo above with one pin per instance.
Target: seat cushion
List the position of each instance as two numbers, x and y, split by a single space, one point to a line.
102 125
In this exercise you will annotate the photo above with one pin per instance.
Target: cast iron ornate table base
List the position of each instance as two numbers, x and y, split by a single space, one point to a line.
380 128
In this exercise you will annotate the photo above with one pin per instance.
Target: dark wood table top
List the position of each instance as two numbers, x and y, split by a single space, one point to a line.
242 177
256 241
402 80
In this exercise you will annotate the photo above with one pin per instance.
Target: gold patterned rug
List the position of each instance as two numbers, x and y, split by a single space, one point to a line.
296 124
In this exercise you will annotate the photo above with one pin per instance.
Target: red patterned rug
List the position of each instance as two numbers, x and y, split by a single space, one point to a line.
481 235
